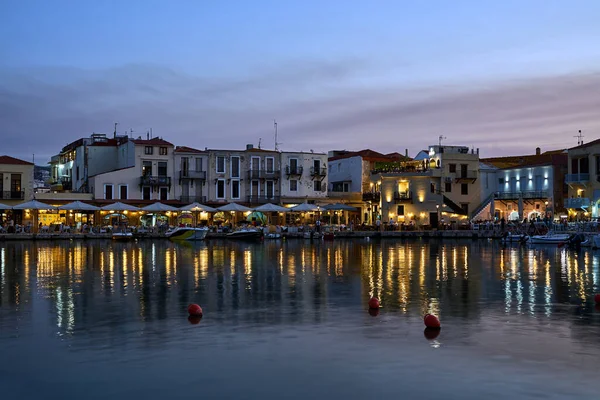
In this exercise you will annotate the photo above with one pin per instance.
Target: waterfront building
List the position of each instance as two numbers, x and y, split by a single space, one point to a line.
191 175
304 177
529 186
583 181
16 180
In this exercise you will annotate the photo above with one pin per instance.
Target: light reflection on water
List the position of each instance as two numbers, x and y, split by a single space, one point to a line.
101 296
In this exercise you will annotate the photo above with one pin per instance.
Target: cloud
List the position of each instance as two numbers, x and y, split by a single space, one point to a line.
318 105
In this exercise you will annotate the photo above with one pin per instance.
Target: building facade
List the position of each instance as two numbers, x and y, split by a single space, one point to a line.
583 181
190 174
16 180
304 177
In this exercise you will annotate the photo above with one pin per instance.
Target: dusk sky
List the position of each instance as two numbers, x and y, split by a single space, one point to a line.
504 76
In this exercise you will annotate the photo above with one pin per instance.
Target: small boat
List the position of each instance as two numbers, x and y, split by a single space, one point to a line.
273 236
122 236
312 235
246 234
550 238
187 233
512 237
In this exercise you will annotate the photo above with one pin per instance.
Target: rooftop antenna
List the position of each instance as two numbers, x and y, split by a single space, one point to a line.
115 131
579 138
259 139
442 137
276 143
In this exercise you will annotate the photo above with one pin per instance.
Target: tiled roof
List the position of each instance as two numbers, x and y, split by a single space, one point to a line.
581 146
185 149
371 155
13 161
152 142
547 158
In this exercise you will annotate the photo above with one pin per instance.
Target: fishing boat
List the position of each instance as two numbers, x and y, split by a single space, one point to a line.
187 233
246 234
549 238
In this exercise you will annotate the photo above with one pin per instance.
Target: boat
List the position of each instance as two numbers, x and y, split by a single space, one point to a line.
311 235
511 237
187 233
122 236
273 236
596 241
549 238
246 234
328 236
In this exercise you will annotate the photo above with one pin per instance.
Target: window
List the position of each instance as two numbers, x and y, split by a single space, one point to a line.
346 187
148 150
317 185
465 207
162 168
185 166
293 185
108 192
77 173
255 164
501 181
464 188
163 193
235 189
448 187
463 170
220 164
294 166
199 166
235 168
221 188
270 189
162 151
270 161
15 183
146 168
123 192
146 193
432 187
452 168
400 210
317 166
340 187
254 188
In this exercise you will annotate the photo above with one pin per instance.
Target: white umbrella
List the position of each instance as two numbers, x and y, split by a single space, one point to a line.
305 207
197 207
339 207
269 207
234 207
34 205
118 206
159 207
5 207
78 206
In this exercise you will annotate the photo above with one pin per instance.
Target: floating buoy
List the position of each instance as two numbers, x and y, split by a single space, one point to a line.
195 310
374 303
195 319
597 298
373 312
431 333
431 321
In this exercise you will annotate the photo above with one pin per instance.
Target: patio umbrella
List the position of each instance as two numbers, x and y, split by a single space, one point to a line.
197 207
234 207
305 207
118 206
159 207
36 206
269 207
78 206
339 207
5 207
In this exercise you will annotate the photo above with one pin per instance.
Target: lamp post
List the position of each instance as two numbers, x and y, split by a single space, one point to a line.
437 206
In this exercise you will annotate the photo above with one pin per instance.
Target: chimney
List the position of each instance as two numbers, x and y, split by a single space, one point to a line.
147 135
538 151
478 151
406 153
249 146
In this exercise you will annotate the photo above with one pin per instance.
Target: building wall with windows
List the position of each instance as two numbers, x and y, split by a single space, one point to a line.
190 175
154 163
16 180
304 177
262 170
123 184
583 180
225 181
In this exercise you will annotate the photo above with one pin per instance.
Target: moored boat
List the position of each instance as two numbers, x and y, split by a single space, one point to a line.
187 233
122 236
549 238
246 234
511 237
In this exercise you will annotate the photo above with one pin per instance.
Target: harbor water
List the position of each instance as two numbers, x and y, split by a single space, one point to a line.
289 320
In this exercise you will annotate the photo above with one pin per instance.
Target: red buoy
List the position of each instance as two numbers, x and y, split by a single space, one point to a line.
597 298
431 333
374 302
373 312
195 310
431 321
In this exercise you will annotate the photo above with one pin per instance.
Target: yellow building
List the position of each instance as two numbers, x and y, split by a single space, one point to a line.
16 180
583 179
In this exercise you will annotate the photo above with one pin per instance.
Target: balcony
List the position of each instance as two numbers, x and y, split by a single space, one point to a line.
193 199
402 197
531 194
263 174
149 180
290 171
200 175
461 176
263 199
13 195
577 179
318 171
374 197
577 202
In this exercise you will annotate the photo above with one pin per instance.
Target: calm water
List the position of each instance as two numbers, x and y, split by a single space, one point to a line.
287 320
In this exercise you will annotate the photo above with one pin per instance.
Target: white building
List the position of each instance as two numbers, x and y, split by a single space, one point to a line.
190 175
304 177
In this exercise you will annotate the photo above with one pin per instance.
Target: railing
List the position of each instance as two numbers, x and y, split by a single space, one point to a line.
263 199
371 196
193 199
66 183
577 202
400 197
318 171
528 194
577 178
150 180
263 174
294 170
465 175
13 195
192 175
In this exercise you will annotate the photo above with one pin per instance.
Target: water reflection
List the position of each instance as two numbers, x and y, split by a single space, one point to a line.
92 284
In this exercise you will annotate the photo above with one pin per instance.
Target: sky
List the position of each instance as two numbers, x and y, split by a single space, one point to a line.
504 76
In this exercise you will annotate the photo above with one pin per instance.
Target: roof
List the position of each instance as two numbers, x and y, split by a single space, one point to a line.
185 149
152 142
582 146
371 155
13 161
111 171
547 158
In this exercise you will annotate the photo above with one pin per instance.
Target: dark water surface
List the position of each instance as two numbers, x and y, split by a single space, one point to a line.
288 320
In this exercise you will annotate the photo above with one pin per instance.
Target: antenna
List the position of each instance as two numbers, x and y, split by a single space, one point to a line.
442 137
276 143
579 138
259 140
115 131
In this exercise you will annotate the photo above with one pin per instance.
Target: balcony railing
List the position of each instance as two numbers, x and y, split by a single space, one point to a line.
12 195
577 178
528 194
400 197
294 170
201 175
149 180
263 199
263 174
318 171
193 199
468 175
371 196
577 202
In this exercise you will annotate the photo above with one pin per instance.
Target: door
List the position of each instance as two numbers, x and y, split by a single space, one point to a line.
185 166
254 190
270 188
433 219
293 165
185 191
255 167
317 166
463 170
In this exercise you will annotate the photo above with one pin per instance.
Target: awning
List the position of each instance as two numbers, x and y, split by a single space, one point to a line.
456 209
